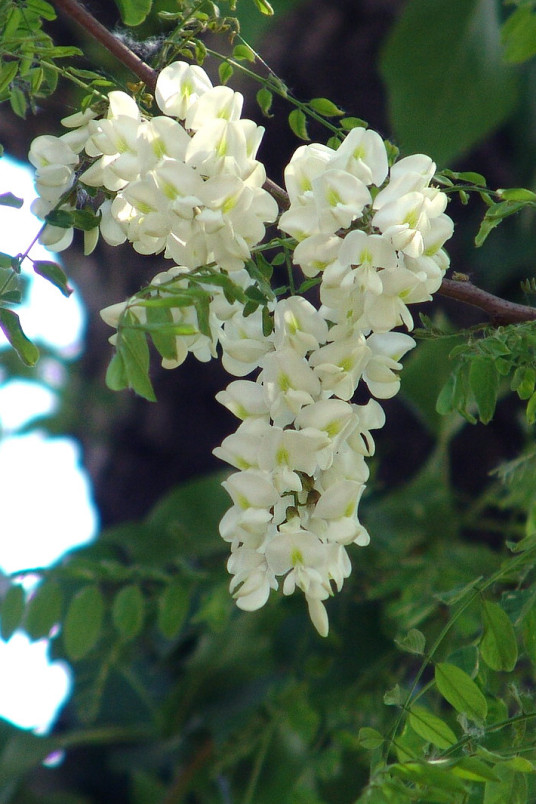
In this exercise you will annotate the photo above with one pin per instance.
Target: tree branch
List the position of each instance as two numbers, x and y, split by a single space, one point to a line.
499 310
93 27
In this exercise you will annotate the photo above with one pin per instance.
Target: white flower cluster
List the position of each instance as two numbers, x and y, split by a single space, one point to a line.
190 189
187 184
375 235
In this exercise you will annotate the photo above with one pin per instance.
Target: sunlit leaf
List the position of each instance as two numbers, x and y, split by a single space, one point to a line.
55 275
431 728
11 327
498 646
298 123
460 691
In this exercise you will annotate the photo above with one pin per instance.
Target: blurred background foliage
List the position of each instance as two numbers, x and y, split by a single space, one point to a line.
177 696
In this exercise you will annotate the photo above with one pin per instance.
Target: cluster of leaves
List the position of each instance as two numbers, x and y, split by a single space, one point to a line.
484 359
12 290
476 728
28 56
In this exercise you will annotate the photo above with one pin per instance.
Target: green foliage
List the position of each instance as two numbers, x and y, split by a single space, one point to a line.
134 12
481 366
438 63
518 33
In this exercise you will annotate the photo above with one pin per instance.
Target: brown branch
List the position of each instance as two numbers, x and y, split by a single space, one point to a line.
499 310
93 27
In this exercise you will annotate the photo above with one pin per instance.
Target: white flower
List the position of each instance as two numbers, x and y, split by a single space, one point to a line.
178 87
243 343
386 350
289 384
253 580
339 365
251 489
335 515
245 399
217 103
363 155
299 325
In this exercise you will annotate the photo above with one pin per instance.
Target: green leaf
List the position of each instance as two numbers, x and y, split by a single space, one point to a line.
439 62
264 7
173 607
18 102
431 728
243 53
413 642
265 99
162 331
83 622
460 691
11 611
325 107
41 7
61 218
10 200
13 21
425 773
518 35
10 326
44 610
348 123
531 409
484 382
85 219
54 273
135 353
225 72
511 787
394 696
445 400
474 769
116 375
370 738
498 646
128 611
298 123
517 193
133 12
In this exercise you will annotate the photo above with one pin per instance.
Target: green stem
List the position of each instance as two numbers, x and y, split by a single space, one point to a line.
275 85
259 762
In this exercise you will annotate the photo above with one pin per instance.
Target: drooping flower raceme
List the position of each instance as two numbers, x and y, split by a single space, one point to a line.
374 235
187 184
